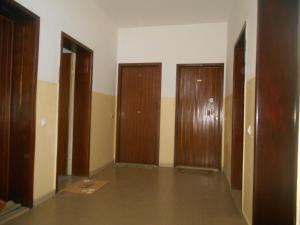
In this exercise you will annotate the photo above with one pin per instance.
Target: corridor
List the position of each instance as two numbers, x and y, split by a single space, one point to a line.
138 196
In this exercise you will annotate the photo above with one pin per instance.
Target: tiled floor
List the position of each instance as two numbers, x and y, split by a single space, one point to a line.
143 197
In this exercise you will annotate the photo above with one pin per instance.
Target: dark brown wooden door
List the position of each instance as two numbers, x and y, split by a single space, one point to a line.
23 106
6 34
63 114
238 115
198 116
82 114
139 113
19 35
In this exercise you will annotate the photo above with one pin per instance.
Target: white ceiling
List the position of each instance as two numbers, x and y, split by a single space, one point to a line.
132 13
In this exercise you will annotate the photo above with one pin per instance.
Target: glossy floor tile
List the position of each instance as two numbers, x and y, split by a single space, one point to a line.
136 196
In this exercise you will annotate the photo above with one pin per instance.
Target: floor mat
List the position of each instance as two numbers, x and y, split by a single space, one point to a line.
85 187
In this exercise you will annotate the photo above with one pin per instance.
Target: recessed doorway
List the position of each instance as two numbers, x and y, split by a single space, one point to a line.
19 41
74 113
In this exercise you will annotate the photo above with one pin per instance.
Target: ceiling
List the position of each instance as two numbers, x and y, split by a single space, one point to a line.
132 13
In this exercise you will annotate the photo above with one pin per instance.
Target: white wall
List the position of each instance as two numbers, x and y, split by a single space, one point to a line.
85 22
171 45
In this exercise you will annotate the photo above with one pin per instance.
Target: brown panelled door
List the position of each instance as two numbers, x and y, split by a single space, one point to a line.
237 140
19 39
6 43
139 113
63 114
199 116
82 114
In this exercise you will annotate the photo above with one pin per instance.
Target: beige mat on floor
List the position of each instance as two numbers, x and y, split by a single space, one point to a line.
85 187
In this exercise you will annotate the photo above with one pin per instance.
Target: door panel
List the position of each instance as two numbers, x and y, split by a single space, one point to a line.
23 106
6 33
63 114
139 113
19 38
238 119
199 112
82 114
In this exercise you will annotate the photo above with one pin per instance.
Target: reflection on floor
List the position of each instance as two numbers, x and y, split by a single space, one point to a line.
136 196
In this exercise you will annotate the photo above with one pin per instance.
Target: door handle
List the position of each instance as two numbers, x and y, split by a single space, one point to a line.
138 112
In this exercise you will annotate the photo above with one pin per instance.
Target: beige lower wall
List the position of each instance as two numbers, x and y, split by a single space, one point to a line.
248 161
102 130
102 135
167 131
46 139
249 150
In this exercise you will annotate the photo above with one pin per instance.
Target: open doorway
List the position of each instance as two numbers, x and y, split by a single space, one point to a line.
74 113
19 38
238 117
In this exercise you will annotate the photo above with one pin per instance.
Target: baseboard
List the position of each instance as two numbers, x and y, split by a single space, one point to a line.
98 170
231 195
43 198
168 165
246 218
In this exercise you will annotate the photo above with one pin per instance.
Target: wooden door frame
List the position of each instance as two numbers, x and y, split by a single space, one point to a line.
277 113
203 65
18 13
119 102
75 46
241 38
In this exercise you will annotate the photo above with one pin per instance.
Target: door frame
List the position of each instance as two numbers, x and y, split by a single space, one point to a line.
18 13
119 103
75 46
237 181
203 65
277 113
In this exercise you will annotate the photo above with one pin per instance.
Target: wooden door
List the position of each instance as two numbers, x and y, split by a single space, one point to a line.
237 142
6 43
139 113
82 114
63 114
19 38
199 116
23 108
